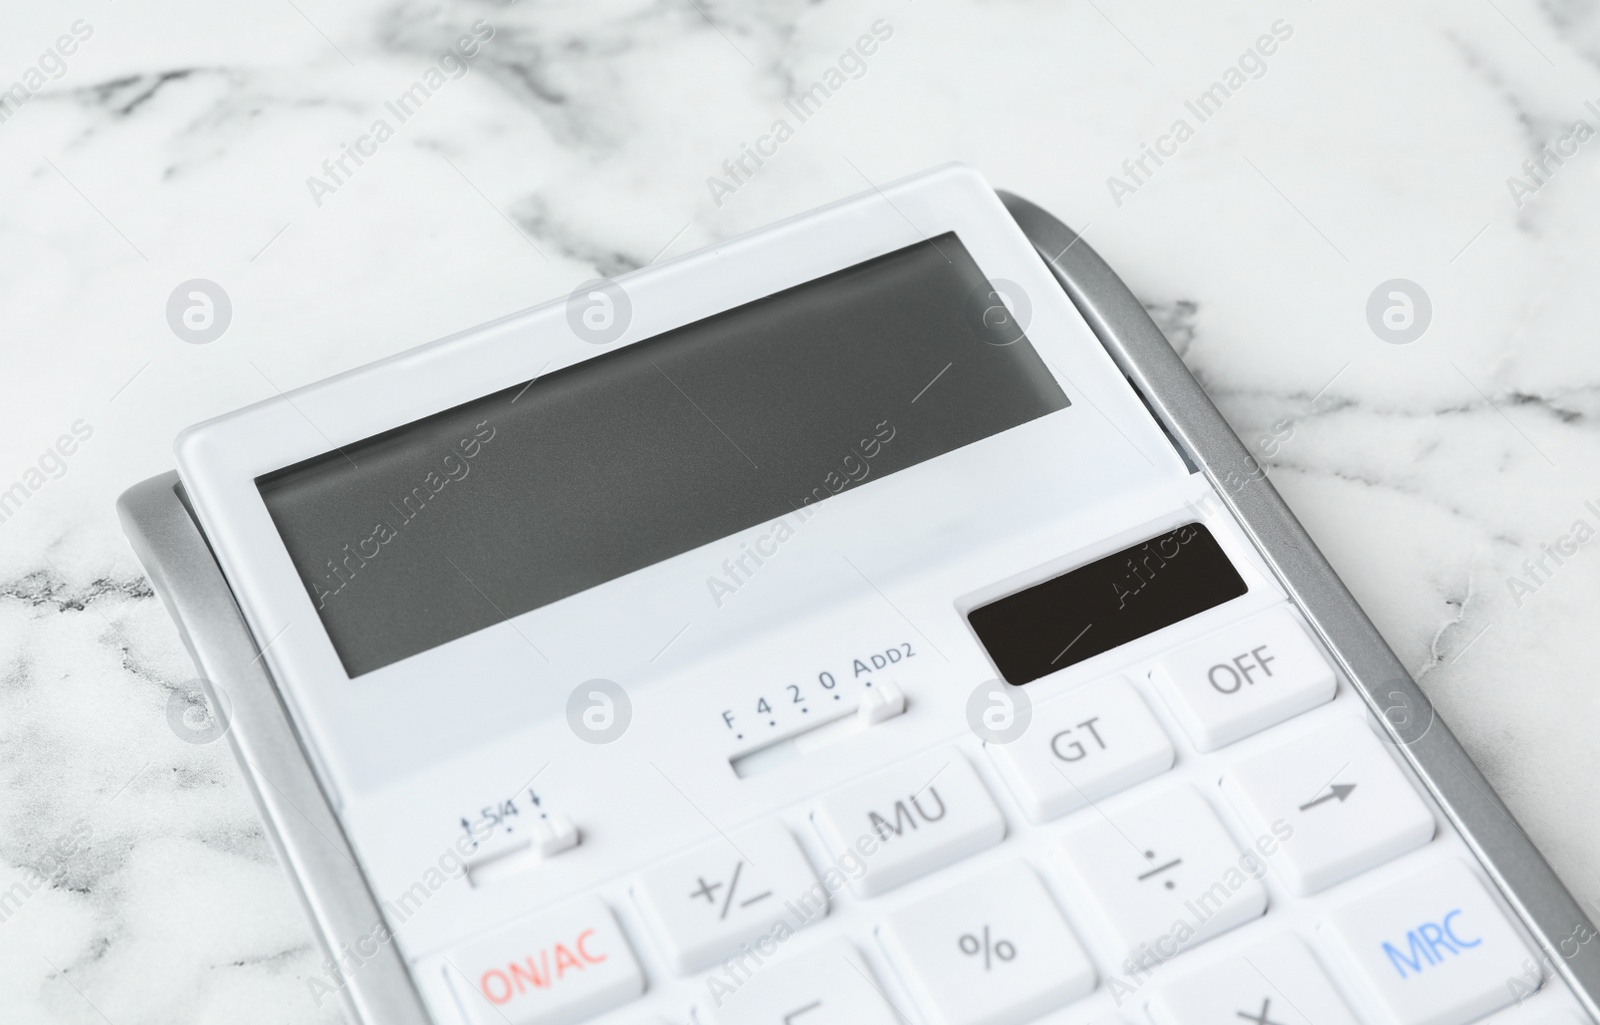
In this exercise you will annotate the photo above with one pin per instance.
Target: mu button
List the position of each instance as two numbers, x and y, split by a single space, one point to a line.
910 820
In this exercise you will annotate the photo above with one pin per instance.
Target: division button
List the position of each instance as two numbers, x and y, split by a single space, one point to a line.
1349 804
705 904
1244 678
826 986
1434 948
909 820
561 967
1274 983
993 950
1162 876
1079 748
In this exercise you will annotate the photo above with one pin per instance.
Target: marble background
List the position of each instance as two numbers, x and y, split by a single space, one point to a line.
176 141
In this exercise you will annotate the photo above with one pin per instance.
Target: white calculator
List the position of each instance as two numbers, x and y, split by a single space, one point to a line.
867 620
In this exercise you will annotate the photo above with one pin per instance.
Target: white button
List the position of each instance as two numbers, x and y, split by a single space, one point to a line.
553 835
991 951
562 966
909 820
1350 806
826 986
1082 747
1243 679
705 904
1433 949
884 701
1163 876
1273 983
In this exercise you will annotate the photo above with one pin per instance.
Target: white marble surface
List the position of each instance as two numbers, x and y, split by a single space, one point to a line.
176 143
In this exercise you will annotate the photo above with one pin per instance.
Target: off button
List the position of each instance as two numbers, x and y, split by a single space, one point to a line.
561 967
1243 679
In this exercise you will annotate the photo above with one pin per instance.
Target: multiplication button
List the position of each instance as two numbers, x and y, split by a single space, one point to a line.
908 821
1082 747
704 904
1273 983
990 951
1243 679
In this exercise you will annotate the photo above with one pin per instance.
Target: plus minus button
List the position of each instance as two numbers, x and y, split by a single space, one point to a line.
707 890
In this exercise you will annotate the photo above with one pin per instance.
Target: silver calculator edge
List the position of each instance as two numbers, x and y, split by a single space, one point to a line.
307 837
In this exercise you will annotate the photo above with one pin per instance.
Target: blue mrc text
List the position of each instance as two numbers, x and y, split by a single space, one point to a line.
1427 945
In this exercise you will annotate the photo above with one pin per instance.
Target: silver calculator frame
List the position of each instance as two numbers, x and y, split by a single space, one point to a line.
307 837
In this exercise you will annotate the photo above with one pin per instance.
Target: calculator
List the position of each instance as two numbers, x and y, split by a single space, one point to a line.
866 620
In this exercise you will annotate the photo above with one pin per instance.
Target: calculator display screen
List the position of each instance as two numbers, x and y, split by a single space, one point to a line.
507 503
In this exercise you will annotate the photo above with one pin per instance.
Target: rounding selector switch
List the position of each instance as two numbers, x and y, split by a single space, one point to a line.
548 837
883 701
553 835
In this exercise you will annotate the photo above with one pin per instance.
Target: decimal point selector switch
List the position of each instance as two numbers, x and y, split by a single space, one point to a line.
881 703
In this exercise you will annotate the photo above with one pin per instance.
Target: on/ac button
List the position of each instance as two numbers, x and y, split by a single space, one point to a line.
560 967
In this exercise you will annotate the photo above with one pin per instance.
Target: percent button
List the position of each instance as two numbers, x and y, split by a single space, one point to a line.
1022 962
972 947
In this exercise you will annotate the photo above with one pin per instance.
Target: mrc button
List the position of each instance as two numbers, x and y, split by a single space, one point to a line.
563 966
1244 678
1434 949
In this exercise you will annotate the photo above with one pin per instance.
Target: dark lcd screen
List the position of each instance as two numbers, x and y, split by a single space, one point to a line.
1111 601
518 499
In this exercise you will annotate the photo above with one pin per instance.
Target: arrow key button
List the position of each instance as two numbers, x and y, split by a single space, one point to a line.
1337 793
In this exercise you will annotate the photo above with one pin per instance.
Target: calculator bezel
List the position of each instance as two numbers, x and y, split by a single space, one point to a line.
307 835
362 733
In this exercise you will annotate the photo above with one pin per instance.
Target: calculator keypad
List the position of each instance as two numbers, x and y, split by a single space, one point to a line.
1129 867
992 950
909 820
